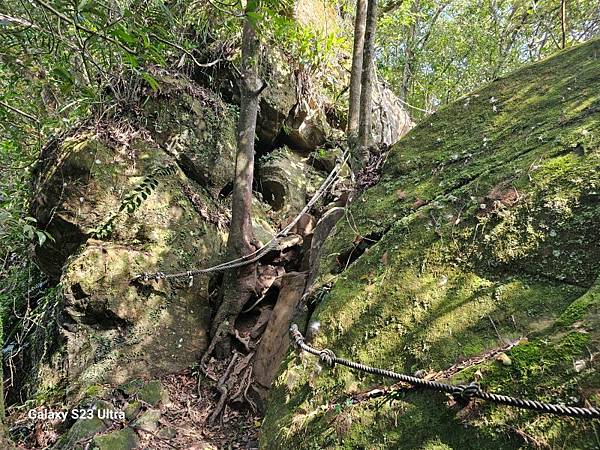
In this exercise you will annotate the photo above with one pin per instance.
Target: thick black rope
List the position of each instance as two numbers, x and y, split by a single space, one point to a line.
460 392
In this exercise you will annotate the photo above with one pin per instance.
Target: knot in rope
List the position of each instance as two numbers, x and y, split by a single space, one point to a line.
296 336
327 356
147 277
466 392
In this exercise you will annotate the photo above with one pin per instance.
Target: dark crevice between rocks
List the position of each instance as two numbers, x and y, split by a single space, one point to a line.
98 317
226 191
253 319
78 292
273 193
190 170
53 255
359 246
96 314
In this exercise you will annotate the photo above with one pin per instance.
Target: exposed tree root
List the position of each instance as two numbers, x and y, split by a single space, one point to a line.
238 373
222 388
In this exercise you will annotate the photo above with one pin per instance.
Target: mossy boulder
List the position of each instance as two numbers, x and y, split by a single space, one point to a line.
124 439
85 428
153 393
132 409
80 433
135 193
148 420
286 181
196 128
480 239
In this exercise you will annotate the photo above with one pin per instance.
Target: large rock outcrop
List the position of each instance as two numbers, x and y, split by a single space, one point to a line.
476 257
294 107
300 106
287 181
137 193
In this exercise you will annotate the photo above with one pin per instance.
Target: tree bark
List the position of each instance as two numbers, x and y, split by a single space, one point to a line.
563 23
355 74
409 54
275 341
368 68
239 285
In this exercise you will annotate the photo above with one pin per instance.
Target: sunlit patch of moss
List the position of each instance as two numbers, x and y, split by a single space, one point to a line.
489 222
586 304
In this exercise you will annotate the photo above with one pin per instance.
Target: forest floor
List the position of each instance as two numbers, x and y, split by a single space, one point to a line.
188 414
184 421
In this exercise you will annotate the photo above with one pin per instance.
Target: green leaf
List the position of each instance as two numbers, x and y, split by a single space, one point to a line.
131 60
63 74
41 237
123 35
151 81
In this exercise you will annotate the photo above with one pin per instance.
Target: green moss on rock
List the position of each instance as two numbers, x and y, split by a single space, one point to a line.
124 439
153 393
81 431
482 231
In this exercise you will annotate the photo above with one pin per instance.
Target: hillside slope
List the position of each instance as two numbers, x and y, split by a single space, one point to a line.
481 235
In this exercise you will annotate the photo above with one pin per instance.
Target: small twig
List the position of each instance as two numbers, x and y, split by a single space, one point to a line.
187 52
18 111
502 340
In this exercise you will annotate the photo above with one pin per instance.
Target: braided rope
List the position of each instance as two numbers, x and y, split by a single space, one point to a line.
259 253
461 392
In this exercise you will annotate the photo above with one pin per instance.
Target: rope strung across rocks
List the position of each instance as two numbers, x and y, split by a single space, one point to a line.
460 392
262 251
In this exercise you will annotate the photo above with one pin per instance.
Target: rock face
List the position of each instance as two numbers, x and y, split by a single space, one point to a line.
295 105
293 109
390 120
286 181
481 235
147 190
121 199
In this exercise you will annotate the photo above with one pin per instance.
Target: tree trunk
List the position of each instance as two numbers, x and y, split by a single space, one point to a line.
409 54
368 69
563 23
239 285
355 74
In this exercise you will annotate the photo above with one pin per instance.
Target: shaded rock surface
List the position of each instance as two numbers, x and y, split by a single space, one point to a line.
286 181
120 199
481 233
